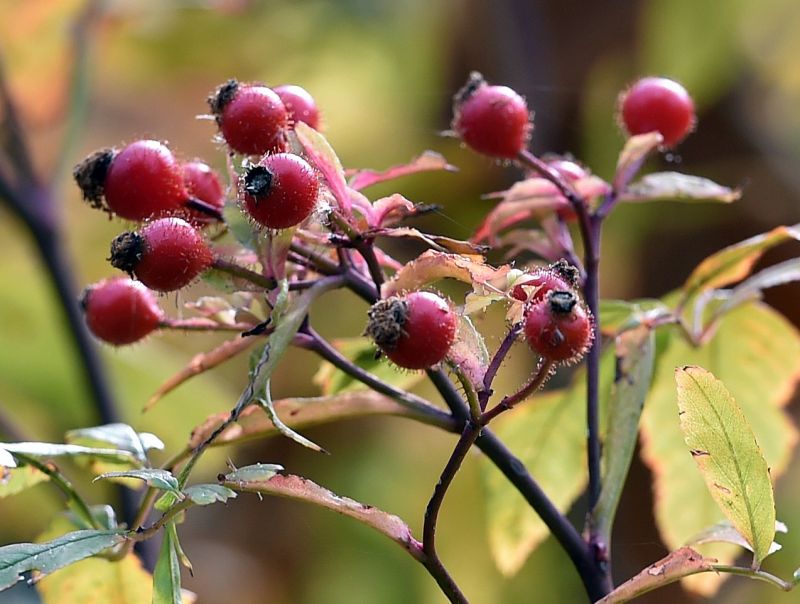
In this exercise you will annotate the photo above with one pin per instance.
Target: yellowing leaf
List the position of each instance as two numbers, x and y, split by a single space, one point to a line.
756 352
725 449
16 480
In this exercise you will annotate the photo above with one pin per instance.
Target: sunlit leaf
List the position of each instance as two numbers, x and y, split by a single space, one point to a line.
361 351
726 452
632 157
756 352
469 352
674 186
48 450
620 315
735 262
167 573
426 162
724 532
6 459
206 494
548 434
295 487
324 158
635 354
121 436
751 288
15 480
153 477
48 557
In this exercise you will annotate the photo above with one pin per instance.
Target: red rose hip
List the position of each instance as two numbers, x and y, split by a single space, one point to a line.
560 275
252 119
300 105
658 105
415 331
166 254
280 191
559 328
493 120
203 184
141 181
120 311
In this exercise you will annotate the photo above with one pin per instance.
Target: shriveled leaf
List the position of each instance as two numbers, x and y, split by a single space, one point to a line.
469 351
428 161
167 573
324 158
206 494
735 262
677 565
152 477
635 354
632 157
98 580
726 452
724 532
360 351
199 364
548 435
434 242
48 557
295 487
254 473
674 186
751 288
389 210
620 315
756 352
432 266
121 436
15 480
265 402
48 450
298 413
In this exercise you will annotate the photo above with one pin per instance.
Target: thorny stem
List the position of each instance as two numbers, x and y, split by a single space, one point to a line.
543 372
445 581
146 533
237 270
494 365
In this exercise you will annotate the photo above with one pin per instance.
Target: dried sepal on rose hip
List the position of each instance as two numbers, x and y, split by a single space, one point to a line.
657 105
493 120
560 275
141 181
280 191
166 254
120 310
414 331
251 118
559 327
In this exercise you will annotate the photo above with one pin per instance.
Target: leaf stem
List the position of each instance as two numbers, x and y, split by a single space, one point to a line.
237 270
543 371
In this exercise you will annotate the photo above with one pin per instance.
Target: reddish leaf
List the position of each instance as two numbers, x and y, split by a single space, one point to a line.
426 162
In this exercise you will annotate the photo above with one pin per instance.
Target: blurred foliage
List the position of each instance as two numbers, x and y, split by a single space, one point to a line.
383 72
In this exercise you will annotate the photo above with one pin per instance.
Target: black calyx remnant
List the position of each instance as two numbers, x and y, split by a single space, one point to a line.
258 181
126 251
561 302
386 321
90 175
566 271
474 82
222 96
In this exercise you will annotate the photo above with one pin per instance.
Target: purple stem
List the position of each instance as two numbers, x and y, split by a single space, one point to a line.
494 366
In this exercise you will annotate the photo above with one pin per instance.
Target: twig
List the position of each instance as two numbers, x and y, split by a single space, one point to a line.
237 270
543 372
494 365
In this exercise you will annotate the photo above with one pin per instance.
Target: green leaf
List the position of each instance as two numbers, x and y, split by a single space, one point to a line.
724 532
265 402
6 459
50 556
206 494
167 573
47 450
635 354
153 477
674 186
756 352
751 288
121 436
254 473
726 452
361 351
548 434
633 155
16 480
620 315
735 262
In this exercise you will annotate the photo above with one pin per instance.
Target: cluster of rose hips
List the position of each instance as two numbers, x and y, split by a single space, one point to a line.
175 202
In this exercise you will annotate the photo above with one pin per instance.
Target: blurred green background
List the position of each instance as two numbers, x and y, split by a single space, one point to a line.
383 72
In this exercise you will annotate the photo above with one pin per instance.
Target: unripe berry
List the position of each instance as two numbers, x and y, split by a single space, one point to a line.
300 105
166 254
202 183
280 191
120 311
251 118
559 328
415 331
141 181
534 287
658 105
493 120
